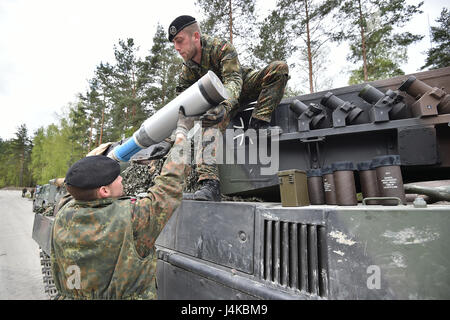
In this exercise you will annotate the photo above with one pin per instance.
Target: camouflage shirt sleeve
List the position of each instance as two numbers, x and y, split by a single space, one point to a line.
150 214
231 71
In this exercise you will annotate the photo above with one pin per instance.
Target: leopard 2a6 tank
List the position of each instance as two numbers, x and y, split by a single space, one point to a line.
393 244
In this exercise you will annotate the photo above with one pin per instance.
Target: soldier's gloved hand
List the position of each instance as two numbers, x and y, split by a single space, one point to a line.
115 144
184 123
160 150
214 115
100 149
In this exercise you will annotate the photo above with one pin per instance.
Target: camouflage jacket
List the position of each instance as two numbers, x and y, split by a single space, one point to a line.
104 249
221 57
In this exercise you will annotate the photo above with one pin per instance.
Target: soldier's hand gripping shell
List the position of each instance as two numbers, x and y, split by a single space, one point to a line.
184 123
160 150
213 116
100 149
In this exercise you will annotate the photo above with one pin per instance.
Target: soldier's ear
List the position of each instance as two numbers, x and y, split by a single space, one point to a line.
104 192
196 36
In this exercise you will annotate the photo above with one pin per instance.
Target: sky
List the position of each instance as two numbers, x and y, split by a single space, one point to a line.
49 49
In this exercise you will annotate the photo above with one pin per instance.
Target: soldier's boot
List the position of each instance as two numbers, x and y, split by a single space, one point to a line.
263 127
209 191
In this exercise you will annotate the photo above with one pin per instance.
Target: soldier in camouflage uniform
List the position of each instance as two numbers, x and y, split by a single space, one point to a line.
102 242
202 53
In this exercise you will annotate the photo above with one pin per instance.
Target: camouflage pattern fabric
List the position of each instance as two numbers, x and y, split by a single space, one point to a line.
220 57
207 150
266 86
244 85
104 249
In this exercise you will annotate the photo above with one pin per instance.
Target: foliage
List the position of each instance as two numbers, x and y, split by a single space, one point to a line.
293 32
119 97
220 15
231 19
124 92
6 163
275 43
369 27
439 55
15 159
163 66
127 93
56 148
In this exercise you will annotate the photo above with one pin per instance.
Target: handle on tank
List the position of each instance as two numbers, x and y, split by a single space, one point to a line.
382 199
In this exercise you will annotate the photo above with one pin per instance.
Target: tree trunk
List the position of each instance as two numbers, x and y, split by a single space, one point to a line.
102 123
164 81
22 164
231 22
125 126
363 41
133 93
90 135
308 45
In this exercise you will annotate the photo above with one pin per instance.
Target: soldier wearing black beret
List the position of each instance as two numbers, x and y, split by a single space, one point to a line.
102 243
93 177
179 24
202 53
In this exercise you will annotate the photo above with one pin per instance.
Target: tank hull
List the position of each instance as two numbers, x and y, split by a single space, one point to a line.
265 251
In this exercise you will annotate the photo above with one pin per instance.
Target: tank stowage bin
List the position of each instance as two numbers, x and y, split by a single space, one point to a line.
344 182
389 177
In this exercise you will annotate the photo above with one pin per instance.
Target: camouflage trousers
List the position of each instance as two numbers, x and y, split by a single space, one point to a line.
266 86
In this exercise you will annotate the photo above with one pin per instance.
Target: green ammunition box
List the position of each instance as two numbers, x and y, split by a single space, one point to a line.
293 188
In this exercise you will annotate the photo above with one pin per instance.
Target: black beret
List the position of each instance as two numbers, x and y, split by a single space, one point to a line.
93 172
179 24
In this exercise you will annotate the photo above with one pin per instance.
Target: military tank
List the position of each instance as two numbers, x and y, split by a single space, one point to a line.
44 205
277 243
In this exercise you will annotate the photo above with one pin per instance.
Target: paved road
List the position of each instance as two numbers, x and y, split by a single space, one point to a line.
20 268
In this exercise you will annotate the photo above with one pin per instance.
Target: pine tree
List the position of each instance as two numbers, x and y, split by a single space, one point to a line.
227 18
439 55
368 25
37 156
3 150
127 93
97 101
56 152
163 66
7 164
101 92
77 129
21 148
91 101
274 42
230 19
295 27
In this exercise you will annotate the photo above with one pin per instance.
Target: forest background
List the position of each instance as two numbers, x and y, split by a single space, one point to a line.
125 91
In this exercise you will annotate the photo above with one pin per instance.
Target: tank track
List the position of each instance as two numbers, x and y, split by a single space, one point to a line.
47 276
